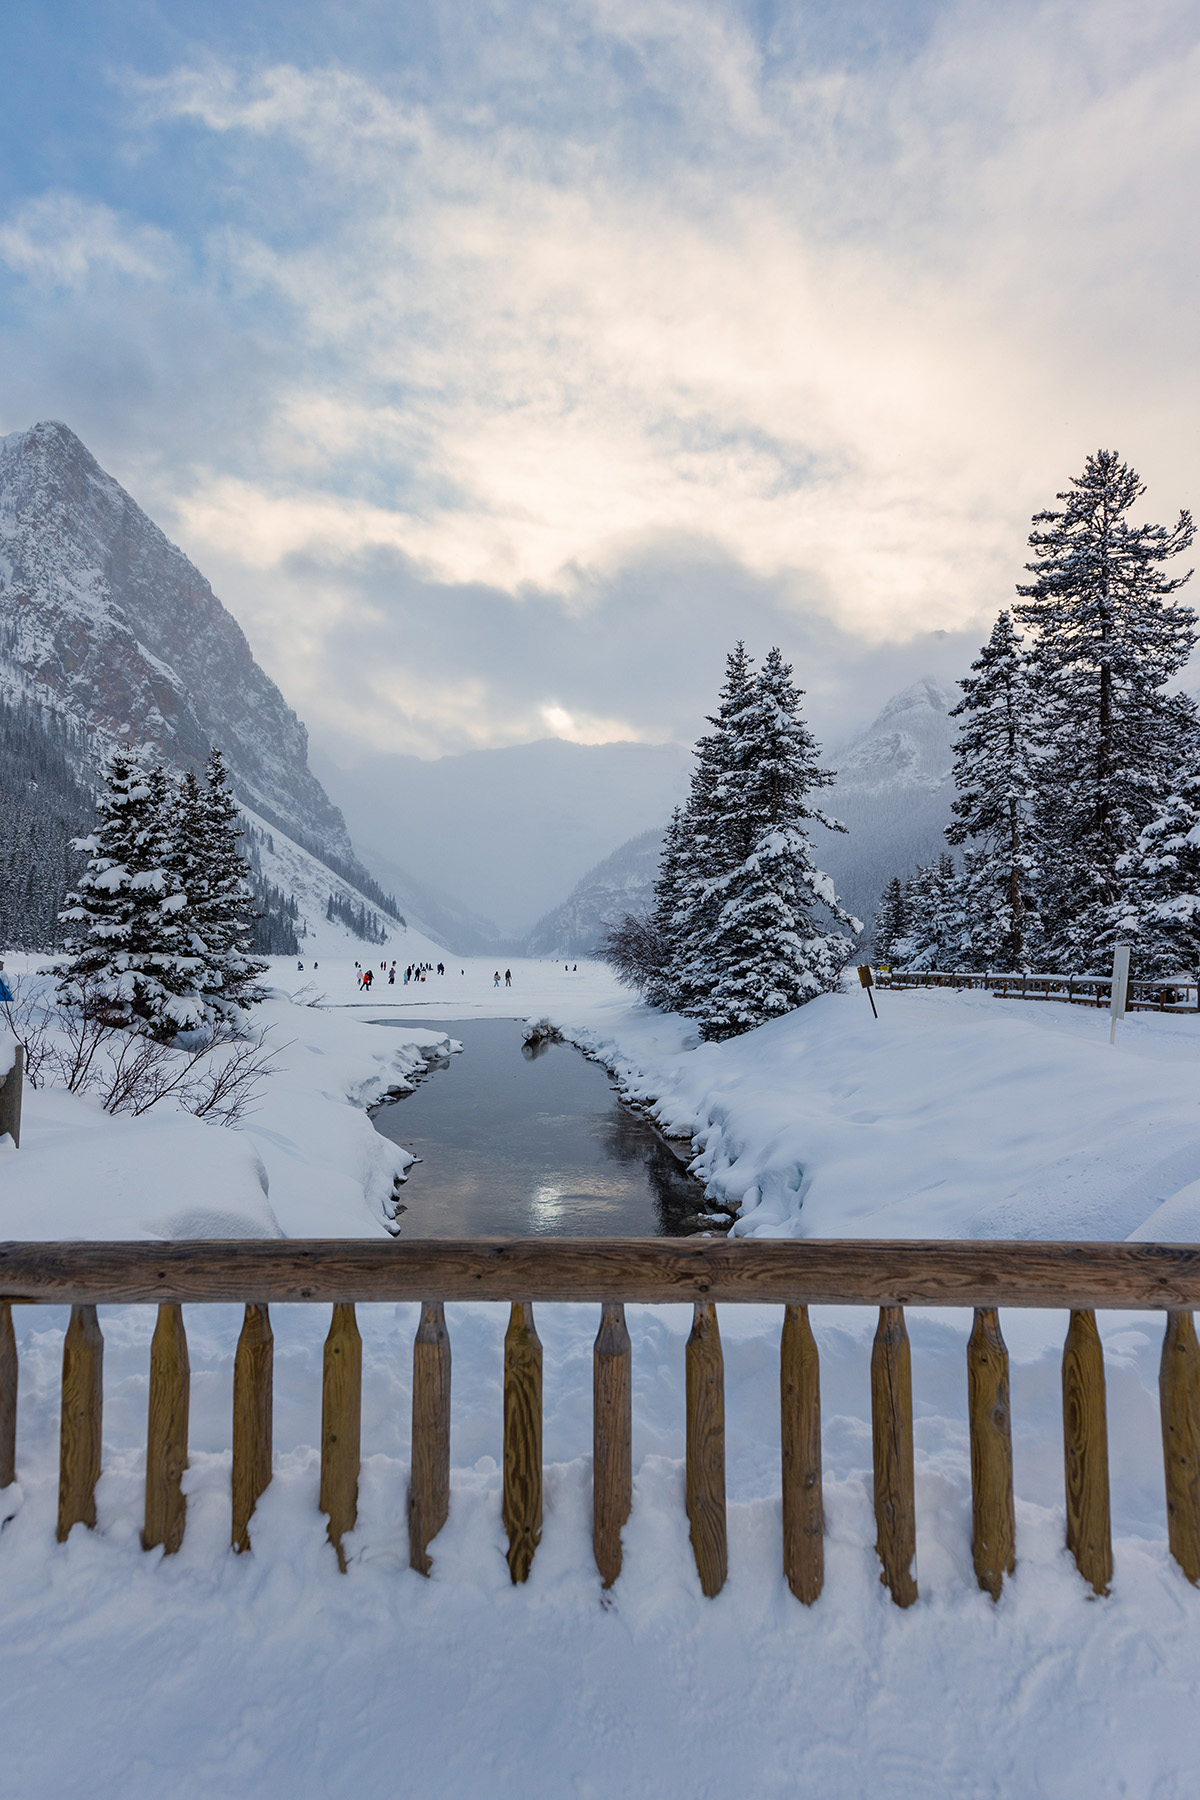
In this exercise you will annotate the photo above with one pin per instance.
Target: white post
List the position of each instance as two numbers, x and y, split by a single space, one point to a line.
1120 986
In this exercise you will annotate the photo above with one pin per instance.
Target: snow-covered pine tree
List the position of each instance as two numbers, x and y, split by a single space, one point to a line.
995 778
222 899
891 923
1107 638
770 947
697 850
1158 914
934 917
127 923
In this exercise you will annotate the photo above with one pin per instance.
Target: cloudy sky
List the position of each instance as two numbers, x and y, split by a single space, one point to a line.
500 363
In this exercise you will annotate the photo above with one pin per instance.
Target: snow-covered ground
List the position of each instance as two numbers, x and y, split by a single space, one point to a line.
126 1674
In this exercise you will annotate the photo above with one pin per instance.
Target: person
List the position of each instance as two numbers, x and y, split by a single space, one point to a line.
367 978
496 978
441 968
392 976
299 965
508 977
5 990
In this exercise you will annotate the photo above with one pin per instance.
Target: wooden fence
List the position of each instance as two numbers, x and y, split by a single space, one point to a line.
1080 1277
1076 990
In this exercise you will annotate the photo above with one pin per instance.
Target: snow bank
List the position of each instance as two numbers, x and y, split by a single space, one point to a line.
952 1115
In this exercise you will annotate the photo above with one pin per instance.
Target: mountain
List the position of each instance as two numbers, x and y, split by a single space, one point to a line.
622 883
894 788
108 632
507 832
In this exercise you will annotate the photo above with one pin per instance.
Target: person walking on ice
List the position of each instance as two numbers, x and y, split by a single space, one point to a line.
508 977
496 979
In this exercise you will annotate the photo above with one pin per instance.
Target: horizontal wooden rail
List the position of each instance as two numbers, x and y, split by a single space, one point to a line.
1076 1277
1077 990
795 1272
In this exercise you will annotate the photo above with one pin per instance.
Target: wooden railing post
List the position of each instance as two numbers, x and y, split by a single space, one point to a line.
167 1432
253 1370
892 1438
522 1439
82 1421
1085 1451
800 1421
8 1396
341 1427
1179 1403
612 1439
994 1534
706 1448
429 1482
12 1086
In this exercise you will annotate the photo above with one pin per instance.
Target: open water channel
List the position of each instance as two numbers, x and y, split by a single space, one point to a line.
518 1140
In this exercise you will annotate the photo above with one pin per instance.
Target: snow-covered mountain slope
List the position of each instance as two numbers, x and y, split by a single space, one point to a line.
894 788
100 613
622 883
509 832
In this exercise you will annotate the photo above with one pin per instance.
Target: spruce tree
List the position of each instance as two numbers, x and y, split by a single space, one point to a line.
891 923
770 947
995 778
1158 914
127 926
1107 638
935 917
223 902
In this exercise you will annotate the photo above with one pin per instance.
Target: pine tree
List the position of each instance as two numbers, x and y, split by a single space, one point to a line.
222 902
935 917
769 949
995 776
698 852
1106 640
891 923
1158 914
129 934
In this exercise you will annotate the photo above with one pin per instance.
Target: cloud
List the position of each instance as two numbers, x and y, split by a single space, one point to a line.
619 326
59 240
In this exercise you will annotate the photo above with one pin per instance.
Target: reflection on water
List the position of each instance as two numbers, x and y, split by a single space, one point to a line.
530 1140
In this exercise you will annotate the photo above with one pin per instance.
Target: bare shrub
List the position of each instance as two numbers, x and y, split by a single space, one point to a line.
27 1018
635 950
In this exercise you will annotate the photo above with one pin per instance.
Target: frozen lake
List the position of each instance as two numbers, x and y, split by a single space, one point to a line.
522 1142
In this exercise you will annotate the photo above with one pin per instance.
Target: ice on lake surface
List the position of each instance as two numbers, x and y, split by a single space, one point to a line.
521 1143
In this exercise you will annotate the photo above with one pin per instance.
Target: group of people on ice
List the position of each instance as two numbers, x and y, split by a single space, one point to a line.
414 972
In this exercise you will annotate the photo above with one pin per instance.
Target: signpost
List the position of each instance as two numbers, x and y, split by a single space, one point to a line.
868 981
1120 986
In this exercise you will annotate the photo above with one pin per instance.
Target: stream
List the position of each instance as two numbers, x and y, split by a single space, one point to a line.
518 1140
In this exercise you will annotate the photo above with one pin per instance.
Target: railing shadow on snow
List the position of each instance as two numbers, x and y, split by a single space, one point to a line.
794 1274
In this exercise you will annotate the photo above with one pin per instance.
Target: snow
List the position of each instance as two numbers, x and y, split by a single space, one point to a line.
126 1673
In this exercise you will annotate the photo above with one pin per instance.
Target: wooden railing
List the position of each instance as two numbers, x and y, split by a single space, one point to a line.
1080 1277
1076 990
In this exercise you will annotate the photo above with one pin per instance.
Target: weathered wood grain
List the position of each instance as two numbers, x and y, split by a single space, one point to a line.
612 1439
167 1432
253 1410
1179 1405
429 1483
522 1439
994 1531
82 1421
8 1396
892 1440
800 1438
12 1086
341 1427
791 1272
1085 1451
705 1475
